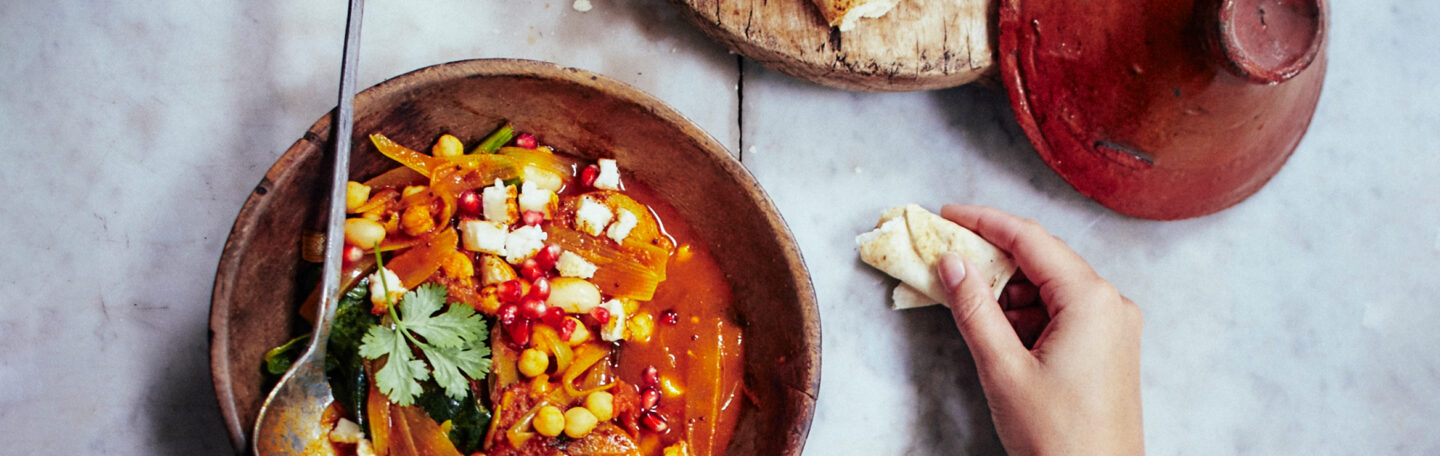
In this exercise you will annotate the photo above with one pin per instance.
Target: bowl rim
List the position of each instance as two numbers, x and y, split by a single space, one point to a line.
241 233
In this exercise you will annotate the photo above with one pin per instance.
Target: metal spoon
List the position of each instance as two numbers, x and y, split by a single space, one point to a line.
289 421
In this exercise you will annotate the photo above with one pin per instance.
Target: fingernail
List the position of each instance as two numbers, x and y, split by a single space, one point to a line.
951 269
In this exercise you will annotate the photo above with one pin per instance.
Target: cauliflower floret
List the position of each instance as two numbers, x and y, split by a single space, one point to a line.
483 236
625 222
346 431
615 328
609 177
591 216
385 280
495 200
534 198
523 242
571 265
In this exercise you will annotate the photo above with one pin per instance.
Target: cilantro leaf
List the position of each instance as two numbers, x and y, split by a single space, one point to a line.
450 362
453 343
401 376
454 328
418 304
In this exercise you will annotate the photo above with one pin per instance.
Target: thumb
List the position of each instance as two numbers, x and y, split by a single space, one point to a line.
982 323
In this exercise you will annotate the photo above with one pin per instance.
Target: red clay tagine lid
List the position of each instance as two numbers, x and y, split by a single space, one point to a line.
1165 109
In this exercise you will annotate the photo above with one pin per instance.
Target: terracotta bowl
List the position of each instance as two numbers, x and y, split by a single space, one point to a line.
258 286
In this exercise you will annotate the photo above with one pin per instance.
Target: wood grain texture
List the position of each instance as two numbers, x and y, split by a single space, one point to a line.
920 45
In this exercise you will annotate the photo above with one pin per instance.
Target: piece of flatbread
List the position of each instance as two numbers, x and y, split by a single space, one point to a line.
845 13
908 242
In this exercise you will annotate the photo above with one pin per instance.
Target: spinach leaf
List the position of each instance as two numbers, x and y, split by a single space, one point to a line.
279 359
343 363
468 420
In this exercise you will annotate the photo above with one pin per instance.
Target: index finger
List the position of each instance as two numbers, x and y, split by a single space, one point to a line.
1046 260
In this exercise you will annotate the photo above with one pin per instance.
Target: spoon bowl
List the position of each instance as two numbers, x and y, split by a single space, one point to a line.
291 417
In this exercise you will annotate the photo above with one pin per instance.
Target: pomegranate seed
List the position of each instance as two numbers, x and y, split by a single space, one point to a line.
669 317
508 314
566 328
532 218
532 308
649 398
540 288
654 421
352 254
530 269
600 315
547 256
587 177
553 316
468 202
526 140
651 376
509 290
519 332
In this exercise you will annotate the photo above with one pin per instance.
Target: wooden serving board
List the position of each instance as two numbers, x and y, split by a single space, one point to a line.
919 45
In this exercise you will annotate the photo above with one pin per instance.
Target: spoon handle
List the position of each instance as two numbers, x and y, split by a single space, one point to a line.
335 225
289 420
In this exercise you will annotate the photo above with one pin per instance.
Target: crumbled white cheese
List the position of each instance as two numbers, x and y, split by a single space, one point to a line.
534 198
365 448
346 431
385 280
571 265
523 242
582 6
591 216
483 236
496 202
609 177
615 328
621 228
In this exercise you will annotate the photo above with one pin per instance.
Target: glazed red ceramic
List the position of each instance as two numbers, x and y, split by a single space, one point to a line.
1166 109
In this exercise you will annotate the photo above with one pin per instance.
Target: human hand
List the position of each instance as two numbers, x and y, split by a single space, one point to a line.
1077 391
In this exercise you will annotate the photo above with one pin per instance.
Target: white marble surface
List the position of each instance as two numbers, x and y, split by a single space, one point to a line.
1299 322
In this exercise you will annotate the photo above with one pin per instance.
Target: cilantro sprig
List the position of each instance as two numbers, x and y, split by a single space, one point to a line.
452 343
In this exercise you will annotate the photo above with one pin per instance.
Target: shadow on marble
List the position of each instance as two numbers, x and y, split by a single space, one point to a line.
983 118
954 417
183 417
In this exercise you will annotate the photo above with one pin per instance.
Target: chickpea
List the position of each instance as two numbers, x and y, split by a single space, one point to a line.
533 362
641 327
489 300
601 404
417 220
448 146
579 422
356 194
363 232
549 421
458 265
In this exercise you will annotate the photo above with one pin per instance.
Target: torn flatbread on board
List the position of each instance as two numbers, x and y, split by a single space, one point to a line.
908 242
845 13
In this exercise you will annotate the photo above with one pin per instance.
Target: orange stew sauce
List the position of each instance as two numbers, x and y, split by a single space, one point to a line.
700 353
675 378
